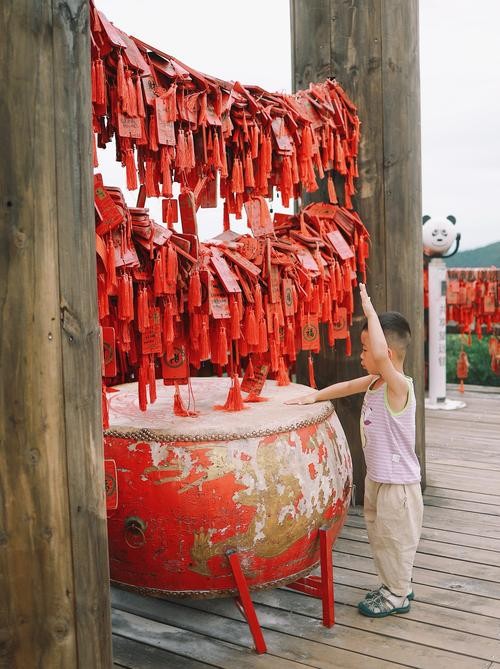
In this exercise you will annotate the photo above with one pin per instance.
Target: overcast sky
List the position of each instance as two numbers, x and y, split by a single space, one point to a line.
460 82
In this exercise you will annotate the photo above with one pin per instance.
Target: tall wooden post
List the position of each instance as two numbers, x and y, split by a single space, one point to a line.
54 601
371 47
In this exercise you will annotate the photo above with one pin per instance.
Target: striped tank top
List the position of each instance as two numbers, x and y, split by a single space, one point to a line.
388 437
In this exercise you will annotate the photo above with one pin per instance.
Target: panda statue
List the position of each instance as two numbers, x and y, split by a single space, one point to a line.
439 235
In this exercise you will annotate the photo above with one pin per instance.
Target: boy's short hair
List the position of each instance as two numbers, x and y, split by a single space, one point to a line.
396 330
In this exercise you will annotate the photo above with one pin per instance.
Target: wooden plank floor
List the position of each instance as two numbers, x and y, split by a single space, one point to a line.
453 623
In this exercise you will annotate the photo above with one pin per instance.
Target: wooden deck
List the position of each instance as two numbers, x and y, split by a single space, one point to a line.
453 623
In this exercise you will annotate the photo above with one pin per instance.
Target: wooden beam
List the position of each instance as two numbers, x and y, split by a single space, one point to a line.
53 548
371 47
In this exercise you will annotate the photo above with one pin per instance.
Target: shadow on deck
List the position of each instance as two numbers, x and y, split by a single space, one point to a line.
454 621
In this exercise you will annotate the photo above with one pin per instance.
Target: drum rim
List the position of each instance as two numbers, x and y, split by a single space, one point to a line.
216 592
166 436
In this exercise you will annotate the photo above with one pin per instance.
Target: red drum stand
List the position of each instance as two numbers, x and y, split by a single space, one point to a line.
321 587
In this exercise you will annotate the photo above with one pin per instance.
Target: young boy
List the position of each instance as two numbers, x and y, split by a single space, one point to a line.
393 504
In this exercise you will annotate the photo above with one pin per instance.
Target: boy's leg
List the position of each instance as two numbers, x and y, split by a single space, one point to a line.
370 514
398 526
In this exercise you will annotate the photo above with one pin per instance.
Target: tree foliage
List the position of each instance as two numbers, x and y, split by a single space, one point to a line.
480 372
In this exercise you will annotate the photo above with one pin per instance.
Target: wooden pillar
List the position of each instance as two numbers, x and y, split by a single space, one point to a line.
54 602
371 47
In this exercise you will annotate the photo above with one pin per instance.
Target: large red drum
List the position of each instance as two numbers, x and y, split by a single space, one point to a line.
184 491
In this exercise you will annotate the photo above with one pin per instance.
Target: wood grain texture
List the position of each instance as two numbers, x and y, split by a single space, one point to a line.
54 609
373 46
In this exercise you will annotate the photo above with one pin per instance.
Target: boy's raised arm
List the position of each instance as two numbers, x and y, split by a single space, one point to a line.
395 380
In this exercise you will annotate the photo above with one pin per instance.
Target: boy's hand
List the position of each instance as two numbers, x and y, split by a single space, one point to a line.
305 399
366 302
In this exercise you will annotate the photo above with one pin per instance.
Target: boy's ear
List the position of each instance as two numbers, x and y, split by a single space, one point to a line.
390 353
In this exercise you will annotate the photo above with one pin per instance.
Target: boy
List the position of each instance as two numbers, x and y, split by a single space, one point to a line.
393 504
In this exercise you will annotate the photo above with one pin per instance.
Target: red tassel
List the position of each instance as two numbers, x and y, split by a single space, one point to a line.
190 155
249 175
249 372
258 303
290 341
131 170
132 100
263 343
216 154
234 401
194 293
222 358
204 340
168 326
237 184
273 350
286 185
166 175
172 265
223 158
181 154
282 379
143 380
151 186
102 296
159 274
235 318
105 408
142 310
306 147
312 380
179 407
251 328
332 195
152 381
130 297
121 84
122 298
138 96
110 264
100 82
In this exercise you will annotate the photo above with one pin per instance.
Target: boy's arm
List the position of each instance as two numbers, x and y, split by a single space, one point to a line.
342 389
397 383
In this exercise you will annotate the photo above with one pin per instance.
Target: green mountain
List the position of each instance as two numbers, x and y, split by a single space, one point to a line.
485 256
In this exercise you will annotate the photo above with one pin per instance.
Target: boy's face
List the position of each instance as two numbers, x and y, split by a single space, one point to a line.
367 361
366 356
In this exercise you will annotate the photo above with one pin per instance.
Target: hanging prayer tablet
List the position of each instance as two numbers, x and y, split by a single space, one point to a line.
129 126
340 328
224 272
255 384
151 337
340 245
175 367
310 333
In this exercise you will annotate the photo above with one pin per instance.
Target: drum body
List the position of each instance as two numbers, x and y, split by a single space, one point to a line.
182 492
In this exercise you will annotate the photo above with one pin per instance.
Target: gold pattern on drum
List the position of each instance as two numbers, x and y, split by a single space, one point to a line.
290 494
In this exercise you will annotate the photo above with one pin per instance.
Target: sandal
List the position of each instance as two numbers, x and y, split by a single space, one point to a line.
373 593
380 605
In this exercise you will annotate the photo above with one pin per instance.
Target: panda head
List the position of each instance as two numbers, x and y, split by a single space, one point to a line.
438 235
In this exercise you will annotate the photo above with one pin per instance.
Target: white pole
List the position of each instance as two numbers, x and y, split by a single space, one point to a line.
437 338
437 331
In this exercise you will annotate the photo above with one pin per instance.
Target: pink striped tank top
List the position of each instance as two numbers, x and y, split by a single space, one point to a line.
388 438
